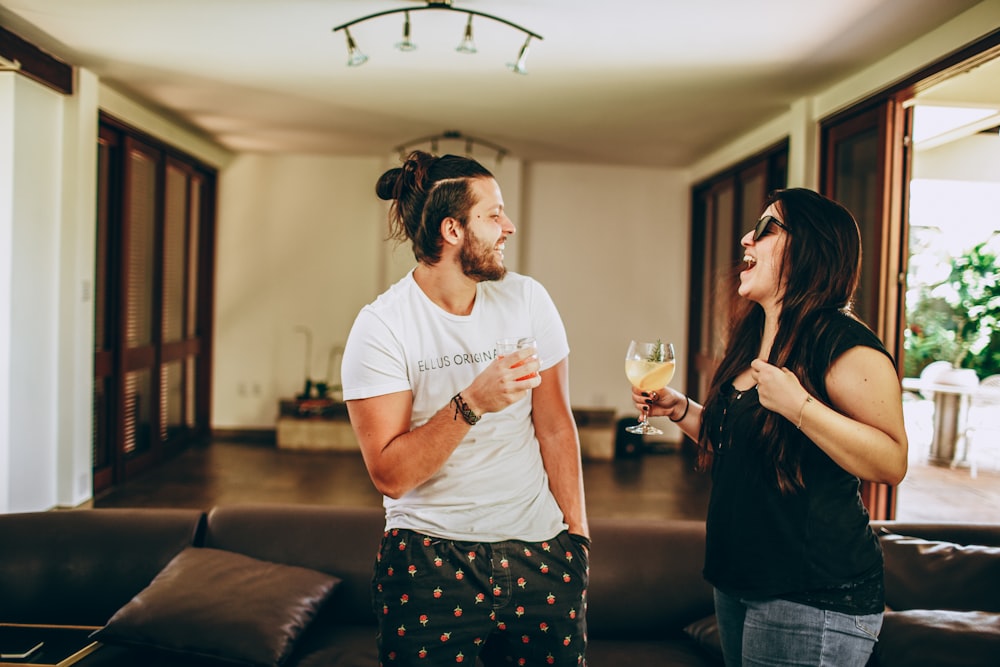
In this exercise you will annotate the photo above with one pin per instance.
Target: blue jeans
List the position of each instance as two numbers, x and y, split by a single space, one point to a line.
778 632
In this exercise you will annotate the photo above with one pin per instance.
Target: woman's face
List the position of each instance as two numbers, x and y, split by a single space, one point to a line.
762 260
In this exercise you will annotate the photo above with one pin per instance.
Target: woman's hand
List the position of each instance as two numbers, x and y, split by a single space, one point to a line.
663 402
778 389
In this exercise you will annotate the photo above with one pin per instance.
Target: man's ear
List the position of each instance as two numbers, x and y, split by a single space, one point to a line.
452 231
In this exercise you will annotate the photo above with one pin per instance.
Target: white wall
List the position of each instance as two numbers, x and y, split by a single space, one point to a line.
34 159
7 83
611 245
299 244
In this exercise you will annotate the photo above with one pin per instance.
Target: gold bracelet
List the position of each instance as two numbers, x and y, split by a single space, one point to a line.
809 399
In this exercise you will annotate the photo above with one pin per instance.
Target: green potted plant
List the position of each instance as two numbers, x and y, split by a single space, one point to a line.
958 318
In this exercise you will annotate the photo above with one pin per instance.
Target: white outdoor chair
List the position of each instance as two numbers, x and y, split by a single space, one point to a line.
984 415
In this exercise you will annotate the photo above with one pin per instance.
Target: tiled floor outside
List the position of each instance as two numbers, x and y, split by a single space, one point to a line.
934 492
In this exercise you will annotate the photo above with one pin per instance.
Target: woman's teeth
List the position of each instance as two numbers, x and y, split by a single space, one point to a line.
750 261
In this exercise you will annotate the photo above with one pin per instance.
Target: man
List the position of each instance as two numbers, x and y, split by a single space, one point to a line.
478 457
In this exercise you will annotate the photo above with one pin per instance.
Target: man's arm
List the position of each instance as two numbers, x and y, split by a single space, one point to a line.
399 459
557 436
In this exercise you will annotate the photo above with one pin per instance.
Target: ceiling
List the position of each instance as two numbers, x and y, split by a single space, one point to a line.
645 82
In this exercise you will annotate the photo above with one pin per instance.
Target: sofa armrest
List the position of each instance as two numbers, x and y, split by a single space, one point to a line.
78 567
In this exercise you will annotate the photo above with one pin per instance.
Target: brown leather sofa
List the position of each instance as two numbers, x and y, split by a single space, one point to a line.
289 585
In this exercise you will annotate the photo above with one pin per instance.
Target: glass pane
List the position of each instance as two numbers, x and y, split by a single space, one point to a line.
172 399
856 186
175 227
193 256
140 235
138 412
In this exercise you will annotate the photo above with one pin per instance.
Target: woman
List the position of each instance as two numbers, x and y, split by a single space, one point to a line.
804 404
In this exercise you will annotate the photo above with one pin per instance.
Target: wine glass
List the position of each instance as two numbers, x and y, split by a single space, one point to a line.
648 366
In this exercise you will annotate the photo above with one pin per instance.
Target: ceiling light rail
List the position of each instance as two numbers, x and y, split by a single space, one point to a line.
356 58
435 140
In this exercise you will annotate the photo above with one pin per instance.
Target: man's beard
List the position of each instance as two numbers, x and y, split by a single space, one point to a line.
479 260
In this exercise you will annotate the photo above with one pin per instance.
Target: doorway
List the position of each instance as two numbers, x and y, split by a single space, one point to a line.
951 280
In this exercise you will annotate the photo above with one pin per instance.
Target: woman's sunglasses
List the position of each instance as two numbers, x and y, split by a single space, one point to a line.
761 228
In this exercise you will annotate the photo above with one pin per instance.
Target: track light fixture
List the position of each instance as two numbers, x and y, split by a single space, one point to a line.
434 142
356 58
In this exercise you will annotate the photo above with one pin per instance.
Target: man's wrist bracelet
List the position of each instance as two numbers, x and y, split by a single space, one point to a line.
687 404
462 408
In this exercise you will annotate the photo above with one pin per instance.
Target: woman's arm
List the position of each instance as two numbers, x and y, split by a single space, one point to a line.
863 429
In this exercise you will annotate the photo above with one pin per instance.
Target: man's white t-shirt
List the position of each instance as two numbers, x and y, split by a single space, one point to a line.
493 487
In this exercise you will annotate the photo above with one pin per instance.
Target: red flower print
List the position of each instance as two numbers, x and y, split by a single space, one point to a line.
458 611
550 598
544 568
412 570
445 636
459 574
437 592
521 582
401 630
520 610
423 619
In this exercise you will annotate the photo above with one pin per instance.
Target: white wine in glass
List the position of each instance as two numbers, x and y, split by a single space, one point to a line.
648 366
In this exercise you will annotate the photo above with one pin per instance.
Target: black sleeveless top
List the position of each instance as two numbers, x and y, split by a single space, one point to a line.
812 546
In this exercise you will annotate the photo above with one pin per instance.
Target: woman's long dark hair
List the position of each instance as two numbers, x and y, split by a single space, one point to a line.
820 268
425 191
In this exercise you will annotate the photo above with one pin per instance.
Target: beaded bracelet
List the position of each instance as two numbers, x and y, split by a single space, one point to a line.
462 408
687 404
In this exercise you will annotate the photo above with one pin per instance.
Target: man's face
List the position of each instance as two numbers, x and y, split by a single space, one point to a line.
486 233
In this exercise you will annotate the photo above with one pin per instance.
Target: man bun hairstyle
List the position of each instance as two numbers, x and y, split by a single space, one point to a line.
424 191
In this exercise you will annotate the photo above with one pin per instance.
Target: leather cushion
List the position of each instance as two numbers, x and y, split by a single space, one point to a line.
934 637
705 633
926 574
223 605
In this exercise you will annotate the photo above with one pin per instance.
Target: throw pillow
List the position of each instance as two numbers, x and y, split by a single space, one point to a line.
223 605
925 574
934 637
705 633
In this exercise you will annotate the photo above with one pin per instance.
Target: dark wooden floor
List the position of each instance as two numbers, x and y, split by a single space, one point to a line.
656 485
